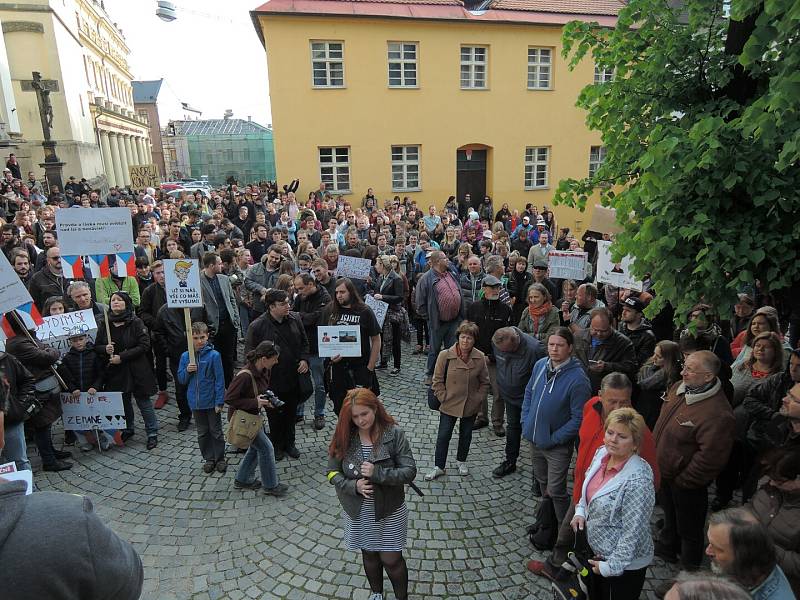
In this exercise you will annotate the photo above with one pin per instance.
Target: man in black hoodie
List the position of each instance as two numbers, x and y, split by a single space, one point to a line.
637 329
490 314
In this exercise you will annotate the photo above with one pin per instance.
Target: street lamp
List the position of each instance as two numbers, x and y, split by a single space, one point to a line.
166 11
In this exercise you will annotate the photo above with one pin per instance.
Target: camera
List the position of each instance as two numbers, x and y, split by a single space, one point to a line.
273 399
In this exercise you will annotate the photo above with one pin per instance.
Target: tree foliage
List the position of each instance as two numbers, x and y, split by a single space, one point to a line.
701 125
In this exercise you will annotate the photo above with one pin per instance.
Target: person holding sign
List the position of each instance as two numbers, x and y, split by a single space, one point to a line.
349 309
125 343
389 288
205 383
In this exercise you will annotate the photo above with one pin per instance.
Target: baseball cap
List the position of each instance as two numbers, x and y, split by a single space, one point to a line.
491 281
635 304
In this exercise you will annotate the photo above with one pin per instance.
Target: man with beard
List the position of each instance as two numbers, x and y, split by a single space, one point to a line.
22 265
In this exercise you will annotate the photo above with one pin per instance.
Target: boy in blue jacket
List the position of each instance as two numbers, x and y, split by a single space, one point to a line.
205 392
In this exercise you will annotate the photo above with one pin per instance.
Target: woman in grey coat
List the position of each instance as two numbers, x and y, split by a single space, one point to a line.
370 462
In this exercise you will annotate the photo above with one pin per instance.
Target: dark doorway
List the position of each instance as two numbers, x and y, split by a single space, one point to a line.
471 176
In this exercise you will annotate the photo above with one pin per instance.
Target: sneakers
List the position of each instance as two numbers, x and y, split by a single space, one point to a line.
543 569
375 596
221 466
152 442
382 366
319 423
240 485
395 371
161 400
462 468
279 491
434 473
208 467
505 468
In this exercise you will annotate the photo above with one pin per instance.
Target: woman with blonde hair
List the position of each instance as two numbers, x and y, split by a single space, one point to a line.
370 462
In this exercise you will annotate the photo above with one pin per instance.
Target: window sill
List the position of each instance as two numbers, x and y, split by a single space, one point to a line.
403 87
537 189
404 190
475 89
535 89
328 87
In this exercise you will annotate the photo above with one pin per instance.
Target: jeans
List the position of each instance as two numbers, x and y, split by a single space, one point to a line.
550 470
684 522
244 319
261 449
317 367
423 335
184 412
446 425
441 334
15 448
513 432
498 406
145 404
209 434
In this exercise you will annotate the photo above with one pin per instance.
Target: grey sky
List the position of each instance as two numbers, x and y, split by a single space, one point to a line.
213 60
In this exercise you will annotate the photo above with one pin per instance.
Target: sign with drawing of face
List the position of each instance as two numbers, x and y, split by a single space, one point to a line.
182 283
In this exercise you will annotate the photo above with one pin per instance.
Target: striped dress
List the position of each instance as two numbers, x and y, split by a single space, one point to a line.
365 533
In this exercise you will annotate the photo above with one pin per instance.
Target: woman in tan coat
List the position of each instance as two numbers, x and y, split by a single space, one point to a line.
461 383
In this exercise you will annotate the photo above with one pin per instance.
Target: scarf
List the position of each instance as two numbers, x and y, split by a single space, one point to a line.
127 314
537 313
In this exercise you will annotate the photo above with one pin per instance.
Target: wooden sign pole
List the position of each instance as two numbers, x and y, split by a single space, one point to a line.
188 320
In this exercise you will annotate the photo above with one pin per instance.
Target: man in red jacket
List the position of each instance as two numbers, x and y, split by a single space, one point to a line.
615 392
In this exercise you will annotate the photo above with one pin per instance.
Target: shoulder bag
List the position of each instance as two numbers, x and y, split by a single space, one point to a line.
243 427
433 401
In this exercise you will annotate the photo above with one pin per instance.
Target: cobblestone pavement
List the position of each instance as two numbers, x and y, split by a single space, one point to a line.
200 538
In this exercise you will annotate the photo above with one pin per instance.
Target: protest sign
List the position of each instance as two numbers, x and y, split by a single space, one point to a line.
54 331
616 274
341 340
182 282
604 220
103 410
353 267
144 176
567 265
12 291
94 231
379 307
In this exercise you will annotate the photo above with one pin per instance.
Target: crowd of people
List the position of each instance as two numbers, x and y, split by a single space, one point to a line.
658 414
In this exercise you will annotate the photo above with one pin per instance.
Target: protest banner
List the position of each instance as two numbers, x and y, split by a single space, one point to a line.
617 274
144 176
55 331
13 293
353 267
103 410
99 234
567 265
379 307
182 283
339 340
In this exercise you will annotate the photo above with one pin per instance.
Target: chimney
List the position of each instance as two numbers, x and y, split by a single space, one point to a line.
249 118
228 114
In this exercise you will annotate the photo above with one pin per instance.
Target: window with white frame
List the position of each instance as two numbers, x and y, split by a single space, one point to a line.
327 64
537 160
603 75
334 168
405 168
474 64
597 155
402 64
540 64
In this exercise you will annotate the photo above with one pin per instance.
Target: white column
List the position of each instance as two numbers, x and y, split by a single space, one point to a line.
124 161
142 155
148 150
129 150
108 162
116 159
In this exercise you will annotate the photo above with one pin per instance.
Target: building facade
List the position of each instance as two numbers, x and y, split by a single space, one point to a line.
431 99
216 149
76 44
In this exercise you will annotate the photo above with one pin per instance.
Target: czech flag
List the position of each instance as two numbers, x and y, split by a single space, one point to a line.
72 266
126 264
99 265
29 314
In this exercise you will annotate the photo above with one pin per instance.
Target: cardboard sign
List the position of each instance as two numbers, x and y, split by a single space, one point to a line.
182 282
379 307
55 331
94 231
352 267
567 265
12 291
339 340
604 220
103 410
144 176
616 274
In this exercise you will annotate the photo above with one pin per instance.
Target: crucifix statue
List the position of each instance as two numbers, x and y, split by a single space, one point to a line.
45 107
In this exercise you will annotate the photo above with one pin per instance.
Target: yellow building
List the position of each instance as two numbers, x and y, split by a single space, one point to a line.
431 98
76 44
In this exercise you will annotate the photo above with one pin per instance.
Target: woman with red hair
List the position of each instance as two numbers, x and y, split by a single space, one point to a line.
370 462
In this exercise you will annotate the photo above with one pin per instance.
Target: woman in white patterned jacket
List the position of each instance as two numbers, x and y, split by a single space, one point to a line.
615 508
